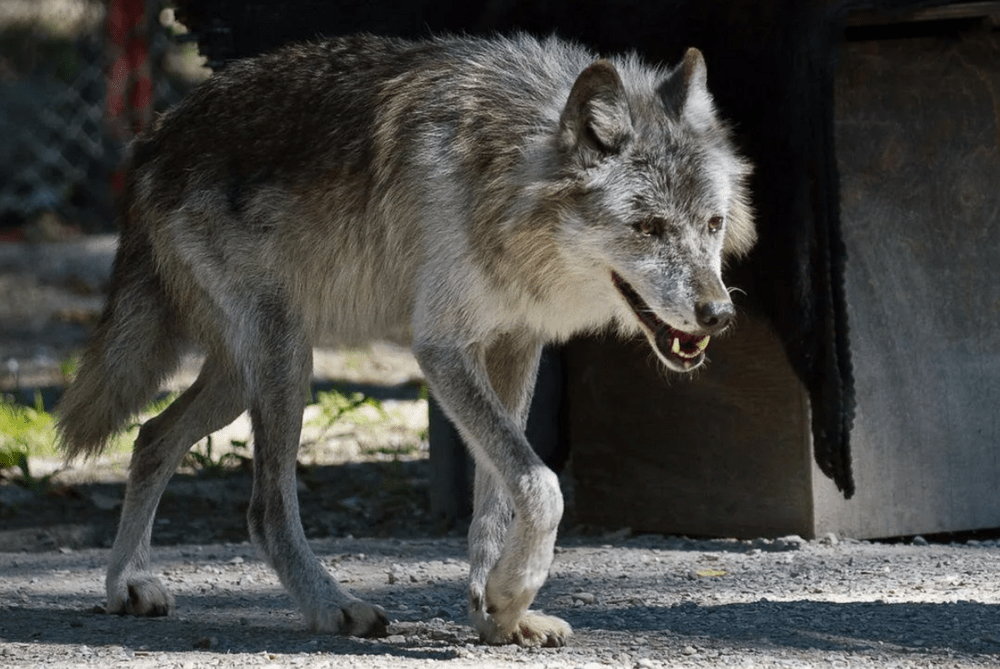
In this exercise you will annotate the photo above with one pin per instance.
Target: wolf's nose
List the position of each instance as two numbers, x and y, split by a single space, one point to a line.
715 316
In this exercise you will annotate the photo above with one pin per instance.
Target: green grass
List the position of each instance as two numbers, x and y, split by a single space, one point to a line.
335 405
25 431
215 465
29 432
26 428
395 451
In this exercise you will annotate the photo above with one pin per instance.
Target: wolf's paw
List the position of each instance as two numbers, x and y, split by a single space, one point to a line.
140 595
532 629
355 618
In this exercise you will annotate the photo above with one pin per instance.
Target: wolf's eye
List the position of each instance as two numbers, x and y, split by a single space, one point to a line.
651 227
715 224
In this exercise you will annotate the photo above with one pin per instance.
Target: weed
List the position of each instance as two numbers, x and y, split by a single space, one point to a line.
202 460
335 405
394 450
69 367
23 431
155 408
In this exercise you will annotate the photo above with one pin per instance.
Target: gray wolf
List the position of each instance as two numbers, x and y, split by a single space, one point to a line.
476 198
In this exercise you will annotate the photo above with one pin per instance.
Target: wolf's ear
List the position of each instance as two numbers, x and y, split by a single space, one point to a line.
685 92
596 116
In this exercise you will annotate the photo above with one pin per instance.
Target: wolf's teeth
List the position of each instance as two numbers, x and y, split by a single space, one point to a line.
700 346
675 348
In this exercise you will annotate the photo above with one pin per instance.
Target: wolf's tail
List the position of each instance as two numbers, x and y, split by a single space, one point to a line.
137 343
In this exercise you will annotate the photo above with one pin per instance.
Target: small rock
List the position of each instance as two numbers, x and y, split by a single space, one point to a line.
584 597
690 650
792 542
395 639
919 541
830 539
396 573
443 635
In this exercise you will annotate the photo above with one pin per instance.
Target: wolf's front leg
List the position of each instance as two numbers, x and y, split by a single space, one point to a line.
510 561
518 502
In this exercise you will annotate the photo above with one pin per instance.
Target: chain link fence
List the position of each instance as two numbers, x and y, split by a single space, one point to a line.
61 138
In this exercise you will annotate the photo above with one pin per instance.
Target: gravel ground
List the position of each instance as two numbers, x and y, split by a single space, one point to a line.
642 602
635 602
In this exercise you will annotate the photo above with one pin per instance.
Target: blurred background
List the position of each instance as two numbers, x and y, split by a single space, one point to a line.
78 79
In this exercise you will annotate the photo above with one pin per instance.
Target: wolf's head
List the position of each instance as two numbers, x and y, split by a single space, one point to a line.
662 199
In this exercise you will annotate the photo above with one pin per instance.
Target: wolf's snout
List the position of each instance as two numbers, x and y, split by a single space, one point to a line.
715 316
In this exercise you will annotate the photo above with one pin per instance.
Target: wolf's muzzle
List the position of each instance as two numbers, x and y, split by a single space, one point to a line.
715 316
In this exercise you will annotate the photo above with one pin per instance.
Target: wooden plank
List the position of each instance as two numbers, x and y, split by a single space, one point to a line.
919 152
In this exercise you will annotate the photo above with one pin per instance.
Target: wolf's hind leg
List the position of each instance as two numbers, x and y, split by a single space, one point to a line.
211 403
279 373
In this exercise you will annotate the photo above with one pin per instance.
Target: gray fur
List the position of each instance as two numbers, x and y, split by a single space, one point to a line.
477 198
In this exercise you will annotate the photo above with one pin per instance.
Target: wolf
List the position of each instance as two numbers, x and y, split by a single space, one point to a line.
476 198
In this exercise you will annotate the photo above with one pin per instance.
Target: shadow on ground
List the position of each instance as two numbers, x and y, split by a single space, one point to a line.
263 622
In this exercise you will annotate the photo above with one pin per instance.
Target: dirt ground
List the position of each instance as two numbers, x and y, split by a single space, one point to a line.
636 602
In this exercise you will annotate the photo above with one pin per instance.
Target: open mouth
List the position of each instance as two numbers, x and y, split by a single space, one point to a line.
685 351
